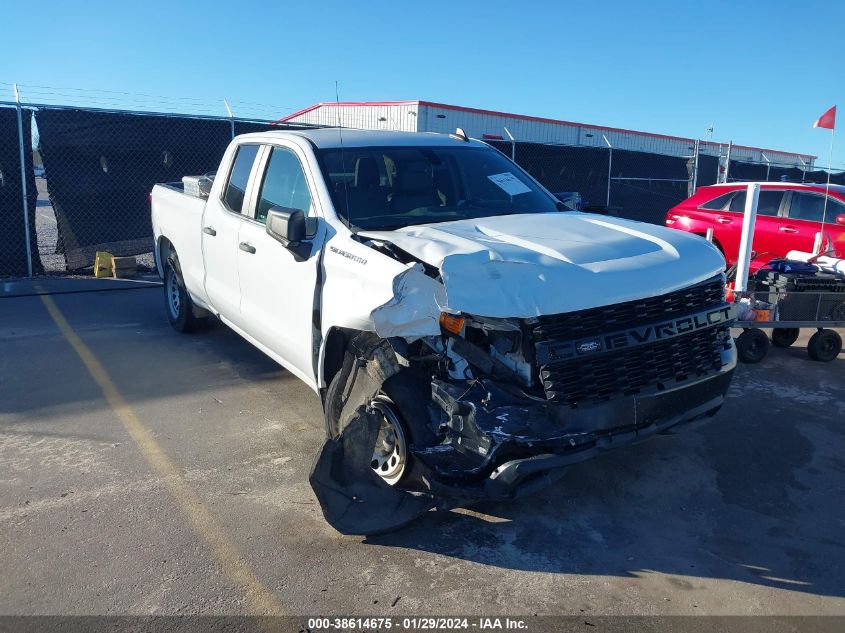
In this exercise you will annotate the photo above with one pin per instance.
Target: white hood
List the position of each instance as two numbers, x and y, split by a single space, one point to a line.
548 263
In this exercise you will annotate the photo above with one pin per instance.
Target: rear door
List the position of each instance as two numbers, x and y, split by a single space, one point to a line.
804 220
221 224
278 286
713 214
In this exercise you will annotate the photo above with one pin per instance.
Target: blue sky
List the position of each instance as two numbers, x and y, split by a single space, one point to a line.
762 72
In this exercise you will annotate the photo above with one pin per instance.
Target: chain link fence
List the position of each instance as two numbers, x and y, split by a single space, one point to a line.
641 186
87 178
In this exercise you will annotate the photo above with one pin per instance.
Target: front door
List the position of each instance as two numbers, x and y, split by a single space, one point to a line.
278 286
806 211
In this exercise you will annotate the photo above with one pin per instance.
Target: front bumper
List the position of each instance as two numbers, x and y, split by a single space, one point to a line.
500 445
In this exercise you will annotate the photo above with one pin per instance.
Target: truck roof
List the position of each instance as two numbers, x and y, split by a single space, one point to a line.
325 138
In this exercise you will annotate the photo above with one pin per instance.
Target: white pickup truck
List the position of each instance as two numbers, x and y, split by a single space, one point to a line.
469 336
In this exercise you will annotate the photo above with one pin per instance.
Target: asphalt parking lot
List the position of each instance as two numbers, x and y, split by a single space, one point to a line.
147 472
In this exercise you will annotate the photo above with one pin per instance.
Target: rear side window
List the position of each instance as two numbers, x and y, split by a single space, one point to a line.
810 206
768 204
284 185
239 177
718 203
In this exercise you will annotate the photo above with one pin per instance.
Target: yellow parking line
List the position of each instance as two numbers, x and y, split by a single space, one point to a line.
260 599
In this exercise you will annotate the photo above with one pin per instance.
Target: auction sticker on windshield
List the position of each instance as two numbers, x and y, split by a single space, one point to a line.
509 183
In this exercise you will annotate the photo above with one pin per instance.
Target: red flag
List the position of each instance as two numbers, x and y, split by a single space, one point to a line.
827 120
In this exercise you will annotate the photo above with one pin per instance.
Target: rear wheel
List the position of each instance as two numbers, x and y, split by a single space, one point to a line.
180 309
752 345
784 336
824 345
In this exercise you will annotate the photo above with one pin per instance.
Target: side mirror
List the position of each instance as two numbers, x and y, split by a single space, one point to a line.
286 225
840 219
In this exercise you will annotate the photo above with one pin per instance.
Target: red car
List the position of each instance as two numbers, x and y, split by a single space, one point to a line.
788 217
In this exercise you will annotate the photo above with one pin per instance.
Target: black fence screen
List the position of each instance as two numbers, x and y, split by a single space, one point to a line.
101 167
750 172
13 255
643 186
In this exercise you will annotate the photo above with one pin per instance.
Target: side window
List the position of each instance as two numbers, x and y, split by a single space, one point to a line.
718 203
239 177
768 203
810 206
284 185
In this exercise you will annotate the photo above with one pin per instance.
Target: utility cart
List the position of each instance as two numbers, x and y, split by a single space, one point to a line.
788 302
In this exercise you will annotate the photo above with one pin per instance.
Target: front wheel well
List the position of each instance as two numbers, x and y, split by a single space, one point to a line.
337 342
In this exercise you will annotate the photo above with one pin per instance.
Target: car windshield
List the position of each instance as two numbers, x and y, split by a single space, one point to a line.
392 187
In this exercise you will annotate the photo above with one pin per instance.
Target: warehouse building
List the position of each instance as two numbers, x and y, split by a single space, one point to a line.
427 116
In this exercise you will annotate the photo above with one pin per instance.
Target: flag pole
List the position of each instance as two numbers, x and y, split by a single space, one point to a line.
826 192
829 169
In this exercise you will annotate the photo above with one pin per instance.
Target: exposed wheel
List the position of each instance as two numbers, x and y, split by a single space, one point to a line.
404 421
390 454
752 345
784 336
181 311
824 345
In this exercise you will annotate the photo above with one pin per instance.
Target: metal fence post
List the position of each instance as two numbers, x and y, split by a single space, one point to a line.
231 117
609 167
695 167
23 181
513 144
728 161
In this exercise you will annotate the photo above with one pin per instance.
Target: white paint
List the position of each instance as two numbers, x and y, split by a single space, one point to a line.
530 265
414 310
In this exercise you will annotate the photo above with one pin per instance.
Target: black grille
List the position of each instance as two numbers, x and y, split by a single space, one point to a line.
585 323
658 365
650 366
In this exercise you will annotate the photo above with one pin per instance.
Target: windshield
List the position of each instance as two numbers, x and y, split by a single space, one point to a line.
392 187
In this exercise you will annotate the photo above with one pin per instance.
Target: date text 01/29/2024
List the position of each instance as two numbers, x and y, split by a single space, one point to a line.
424 623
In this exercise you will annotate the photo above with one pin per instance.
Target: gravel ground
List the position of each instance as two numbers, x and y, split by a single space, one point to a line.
48 235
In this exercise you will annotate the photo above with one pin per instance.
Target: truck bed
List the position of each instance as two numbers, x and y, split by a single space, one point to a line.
178 216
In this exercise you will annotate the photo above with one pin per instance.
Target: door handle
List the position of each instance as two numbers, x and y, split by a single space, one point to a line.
209 230
788 229
722 220
247 248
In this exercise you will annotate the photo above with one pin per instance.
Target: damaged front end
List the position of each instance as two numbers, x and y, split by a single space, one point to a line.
495 408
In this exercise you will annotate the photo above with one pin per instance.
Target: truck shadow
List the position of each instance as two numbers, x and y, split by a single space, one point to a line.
748 497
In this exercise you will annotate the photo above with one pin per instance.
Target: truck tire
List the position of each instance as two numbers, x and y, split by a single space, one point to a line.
752 345
178 305
784 336
824 345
